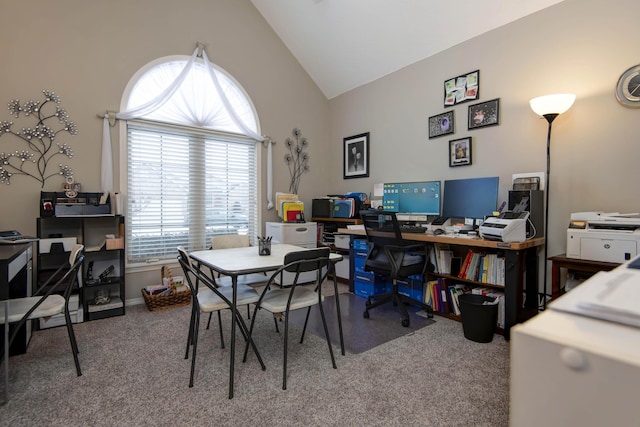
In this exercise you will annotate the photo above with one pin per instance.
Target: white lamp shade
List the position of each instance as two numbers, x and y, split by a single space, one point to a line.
552 104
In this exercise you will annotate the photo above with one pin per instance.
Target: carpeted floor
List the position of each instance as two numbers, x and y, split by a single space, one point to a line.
360 334
135 374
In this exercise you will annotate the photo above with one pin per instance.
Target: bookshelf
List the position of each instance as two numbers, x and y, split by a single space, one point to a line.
521 267
102 289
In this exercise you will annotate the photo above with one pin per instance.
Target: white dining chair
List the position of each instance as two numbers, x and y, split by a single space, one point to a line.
18 311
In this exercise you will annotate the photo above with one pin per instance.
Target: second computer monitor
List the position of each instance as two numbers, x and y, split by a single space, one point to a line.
414 198
470 198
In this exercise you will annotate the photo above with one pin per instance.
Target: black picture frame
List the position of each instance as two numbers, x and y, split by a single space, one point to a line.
441 124
460 152
484 114
356 156
463 88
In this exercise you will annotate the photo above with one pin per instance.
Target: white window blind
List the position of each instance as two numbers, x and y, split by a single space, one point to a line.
186 185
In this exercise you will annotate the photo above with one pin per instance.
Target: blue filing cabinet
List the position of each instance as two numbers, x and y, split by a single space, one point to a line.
365 283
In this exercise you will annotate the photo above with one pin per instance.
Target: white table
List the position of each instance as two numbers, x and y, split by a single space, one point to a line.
236 262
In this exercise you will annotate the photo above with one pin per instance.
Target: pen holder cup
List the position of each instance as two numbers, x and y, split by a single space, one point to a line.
264 247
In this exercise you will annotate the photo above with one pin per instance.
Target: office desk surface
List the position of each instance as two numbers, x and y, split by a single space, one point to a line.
458 240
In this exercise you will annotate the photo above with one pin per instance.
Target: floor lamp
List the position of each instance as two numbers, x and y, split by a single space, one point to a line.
549 107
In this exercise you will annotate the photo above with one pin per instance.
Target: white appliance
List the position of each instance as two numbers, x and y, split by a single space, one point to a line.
508 227
300 234
599 236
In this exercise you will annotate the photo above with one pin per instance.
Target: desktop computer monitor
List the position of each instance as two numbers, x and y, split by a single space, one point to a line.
412 198
470 198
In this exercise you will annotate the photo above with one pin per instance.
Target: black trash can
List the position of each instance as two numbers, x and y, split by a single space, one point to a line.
478 319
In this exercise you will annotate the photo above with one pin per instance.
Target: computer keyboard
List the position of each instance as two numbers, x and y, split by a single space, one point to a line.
412 229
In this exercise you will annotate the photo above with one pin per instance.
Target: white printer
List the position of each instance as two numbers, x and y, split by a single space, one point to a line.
600 236
508 227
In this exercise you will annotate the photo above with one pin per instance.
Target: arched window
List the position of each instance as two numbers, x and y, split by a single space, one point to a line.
191 158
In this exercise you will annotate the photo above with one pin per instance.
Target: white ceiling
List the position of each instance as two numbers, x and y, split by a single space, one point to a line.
344 44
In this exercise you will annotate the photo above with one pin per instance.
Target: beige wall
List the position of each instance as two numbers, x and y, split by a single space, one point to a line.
86 51
577 46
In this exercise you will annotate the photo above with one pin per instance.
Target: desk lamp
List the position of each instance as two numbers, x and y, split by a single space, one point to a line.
549 107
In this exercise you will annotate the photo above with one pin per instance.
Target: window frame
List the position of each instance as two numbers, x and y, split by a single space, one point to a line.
151 264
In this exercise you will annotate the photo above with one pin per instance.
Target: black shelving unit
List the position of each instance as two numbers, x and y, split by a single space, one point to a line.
99 297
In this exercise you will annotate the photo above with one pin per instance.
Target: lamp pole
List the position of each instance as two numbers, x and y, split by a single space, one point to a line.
549 107
550 118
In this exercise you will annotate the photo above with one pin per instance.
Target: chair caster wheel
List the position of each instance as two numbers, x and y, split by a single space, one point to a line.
365 314
430 315
405 323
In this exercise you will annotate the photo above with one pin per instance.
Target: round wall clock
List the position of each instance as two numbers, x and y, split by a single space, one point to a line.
628 87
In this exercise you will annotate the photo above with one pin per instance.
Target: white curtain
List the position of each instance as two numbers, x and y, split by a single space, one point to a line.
180 86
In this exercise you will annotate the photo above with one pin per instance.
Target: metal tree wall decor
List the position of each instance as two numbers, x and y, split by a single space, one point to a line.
40 140
297 159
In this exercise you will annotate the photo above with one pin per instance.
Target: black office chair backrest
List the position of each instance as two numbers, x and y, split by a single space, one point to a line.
381 227
386 255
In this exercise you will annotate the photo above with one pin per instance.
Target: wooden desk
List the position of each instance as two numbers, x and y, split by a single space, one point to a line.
561 261
521 267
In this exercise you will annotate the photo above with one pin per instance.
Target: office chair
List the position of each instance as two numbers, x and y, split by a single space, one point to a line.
209 299
43 305
392 256
294 296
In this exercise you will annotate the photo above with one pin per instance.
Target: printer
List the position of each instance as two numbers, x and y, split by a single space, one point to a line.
600 236
507 227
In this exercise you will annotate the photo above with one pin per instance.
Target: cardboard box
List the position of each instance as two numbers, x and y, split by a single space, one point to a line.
115 243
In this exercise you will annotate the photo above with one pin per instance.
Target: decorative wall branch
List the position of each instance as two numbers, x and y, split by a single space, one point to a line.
40 141
297 159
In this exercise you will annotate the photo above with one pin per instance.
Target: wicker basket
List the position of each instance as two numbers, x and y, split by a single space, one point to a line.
175 298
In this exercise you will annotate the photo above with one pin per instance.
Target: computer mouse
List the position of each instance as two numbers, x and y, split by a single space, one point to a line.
438 231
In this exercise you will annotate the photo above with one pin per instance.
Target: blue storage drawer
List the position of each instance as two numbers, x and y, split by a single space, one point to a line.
362 276
412 288
364 289
361 244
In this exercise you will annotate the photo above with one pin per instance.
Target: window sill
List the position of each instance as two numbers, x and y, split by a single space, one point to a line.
142 267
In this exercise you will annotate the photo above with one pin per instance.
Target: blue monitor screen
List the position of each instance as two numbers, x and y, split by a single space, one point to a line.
412 197
470 198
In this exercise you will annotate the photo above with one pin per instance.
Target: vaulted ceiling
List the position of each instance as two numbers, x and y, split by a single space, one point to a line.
344 44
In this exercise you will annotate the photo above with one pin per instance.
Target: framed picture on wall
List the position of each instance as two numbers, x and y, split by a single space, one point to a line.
460 152
356 156
484 114
442 124
461 89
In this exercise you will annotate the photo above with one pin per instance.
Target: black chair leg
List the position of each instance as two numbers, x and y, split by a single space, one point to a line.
72 340
196 328
248 340
190 337
209 321
286 346
220 328
326 334
246 347
304 327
